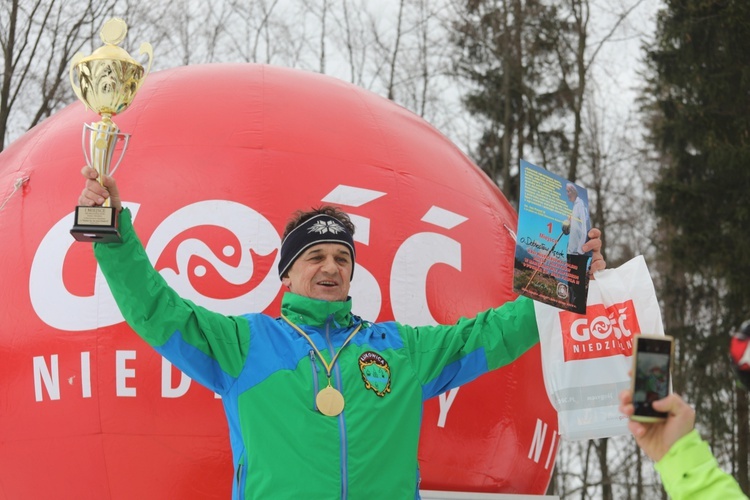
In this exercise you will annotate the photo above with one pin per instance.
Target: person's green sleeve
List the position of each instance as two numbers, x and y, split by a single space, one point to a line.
207 346
690 471
445 356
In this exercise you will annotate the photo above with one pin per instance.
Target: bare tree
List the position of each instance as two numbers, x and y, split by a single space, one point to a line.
394 53
390 49
323 18
579 17
424 61
256 36
38 40
352 37
396 50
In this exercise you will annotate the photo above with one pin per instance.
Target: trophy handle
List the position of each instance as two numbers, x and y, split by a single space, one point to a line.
73 63
103 137
146 48
126 140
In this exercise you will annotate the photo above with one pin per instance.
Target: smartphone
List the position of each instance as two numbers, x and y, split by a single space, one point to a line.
652 379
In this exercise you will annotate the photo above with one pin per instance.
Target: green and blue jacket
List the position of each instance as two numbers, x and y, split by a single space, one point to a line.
268 376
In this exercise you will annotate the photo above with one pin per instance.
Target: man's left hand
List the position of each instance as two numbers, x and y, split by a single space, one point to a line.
595 245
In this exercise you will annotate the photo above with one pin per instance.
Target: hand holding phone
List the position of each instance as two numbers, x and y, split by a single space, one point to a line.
656 438
651 380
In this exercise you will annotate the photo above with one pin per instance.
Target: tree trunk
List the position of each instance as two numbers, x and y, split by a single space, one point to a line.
743 432
8 54
585 472
601 452
507 99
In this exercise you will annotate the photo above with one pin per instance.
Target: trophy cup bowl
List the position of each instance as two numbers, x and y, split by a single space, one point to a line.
108 80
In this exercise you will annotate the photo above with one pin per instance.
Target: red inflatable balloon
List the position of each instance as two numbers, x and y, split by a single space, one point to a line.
219 157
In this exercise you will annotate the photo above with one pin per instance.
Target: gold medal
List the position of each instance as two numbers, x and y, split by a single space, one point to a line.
330 402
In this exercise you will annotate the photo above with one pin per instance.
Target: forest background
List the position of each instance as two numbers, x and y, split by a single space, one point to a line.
644 102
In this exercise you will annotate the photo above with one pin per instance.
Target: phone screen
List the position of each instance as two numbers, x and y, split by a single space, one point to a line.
652 369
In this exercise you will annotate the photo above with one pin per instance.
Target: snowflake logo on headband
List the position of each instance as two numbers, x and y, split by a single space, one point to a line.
323 227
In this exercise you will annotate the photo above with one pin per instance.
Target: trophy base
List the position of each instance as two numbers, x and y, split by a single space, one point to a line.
96 225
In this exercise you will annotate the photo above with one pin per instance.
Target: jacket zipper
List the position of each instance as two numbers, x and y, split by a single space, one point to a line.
342 426
240 479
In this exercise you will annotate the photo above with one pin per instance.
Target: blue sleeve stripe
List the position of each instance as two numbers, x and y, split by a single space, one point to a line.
195 363
457 373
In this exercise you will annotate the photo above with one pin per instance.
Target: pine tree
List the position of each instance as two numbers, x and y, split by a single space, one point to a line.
700 124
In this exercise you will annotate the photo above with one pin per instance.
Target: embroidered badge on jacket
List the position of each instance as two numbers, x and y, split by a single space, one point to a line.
375 372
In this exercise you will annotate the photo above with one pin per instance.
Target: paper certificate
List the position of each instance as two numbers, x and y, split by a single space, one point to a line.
553 224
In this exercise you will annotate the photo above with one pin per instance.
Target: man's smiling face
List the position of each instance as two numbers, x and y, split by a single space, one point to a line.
322 272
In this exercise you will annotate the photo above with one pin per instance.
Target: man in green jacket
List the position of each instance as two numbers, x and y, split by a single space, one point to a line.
320 403
684 461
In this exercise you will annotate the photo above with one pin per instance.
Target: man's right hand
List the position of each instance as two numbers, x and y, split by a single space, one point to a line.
94 193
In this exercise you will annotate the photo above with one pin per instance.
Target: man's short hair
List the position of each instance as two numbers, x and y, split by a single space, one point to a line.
301 216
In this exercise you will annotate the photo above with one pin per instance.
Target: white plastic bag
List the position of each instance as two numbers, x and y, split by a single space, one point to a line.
586 358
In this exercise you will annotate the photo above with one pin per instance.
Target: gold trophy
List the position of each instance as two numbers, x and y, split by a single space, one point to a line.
108 81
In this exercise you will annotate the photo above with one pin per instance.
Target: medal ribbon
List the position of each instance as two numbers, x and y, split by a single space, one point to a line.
329 368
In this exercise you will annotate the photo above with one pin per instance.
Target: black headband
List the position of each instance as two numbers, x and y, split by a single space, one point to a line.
321 228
